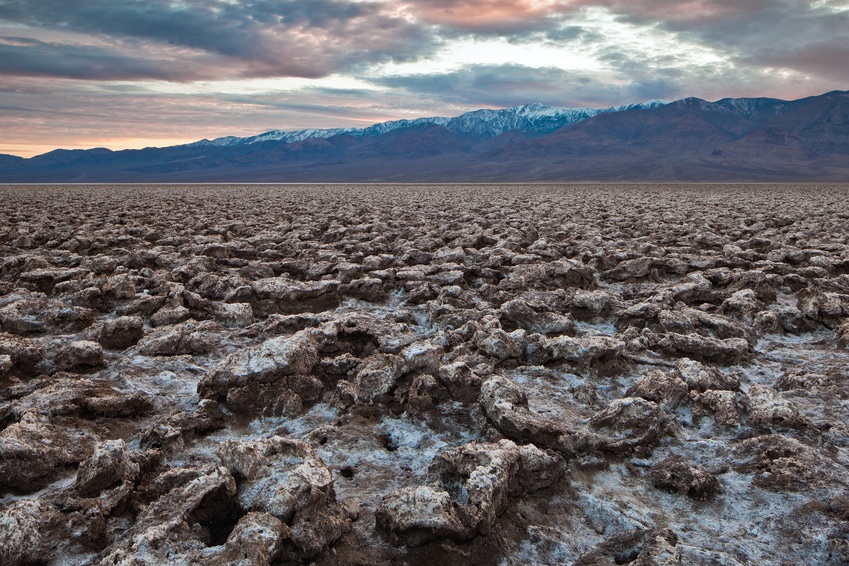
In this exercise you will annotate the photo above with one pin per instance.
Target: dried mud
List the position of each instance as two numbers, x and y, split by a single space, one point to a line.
424 374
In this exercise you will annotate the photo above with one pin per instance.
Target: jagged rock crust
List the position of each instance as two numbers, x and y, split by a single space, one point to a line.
475 482
386 375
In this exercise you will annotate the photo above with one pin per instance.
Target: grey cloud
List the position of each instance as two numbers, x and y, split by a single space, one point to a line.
314 38
755 33
48 111
807 37
505 85
37 58
306 38
295 101
827 59
484 84
633 80
571 33
683 11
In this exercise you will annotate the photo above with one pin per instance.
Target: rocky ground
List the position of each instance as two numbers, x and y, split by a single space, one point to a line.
438 375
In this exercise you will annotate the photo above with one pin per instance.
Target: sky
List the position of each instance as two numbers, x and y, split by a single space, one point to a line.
123 74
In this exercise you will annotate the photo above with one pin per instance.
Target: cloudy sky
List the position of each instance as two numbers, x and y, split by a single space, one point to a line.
135 73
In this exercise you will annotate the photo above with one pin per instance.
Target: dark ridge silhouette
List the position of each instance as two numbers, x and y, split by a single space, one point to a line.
744 139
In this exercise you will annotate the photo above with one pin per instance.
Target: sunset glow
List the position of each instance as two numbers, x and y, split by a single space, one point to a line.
124 74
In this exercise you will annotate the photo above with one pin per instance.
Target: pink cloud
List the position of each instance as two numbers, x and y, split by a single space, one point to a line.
679 10
485 15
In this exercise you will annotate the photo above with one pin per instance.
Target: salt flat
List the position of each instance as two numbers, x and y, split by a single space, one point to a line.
382 374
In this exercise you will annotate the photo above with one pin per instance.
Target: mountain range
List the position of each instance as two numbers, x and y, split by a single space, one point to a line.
733 139
529 118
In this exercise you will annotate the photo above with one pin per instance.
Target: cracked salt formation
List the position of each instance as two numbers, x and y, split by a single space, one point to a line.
424 374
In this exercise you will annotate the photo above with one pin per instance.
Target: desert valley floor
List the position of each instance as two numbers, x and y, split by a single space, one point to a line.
651 374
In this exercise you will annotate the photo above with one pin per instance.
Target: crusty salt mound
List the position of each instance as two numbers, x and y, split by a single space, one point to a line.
439 375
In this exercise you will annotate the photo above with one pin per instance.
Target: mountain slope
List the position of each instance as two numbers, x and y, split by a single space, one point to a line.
7 160
529 118
752 139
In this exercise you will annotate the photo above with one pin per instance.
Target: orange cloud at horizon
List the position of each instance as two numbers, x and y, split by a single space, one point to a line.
28 150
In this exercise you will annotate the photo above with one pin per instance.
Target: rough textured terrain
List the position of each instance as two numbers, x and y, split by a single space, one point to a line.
439 375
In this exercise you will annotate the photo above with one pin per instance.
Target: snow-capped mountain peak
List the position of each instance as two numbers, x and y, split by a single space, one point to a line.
535 118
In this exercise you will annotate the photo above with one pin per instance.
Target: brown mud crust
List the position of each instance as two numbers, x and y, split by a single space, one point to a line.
376 375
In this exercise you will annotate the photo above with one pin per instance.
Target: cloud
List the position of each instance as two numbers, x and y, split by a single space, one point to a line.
487 16
202 39
60 60
809 38
507 85
302 38
37 58
685 11
37 117
825 59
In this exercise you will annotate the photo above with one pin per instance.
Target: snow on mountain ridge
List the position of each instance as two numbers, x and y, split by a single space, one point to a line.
535 118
